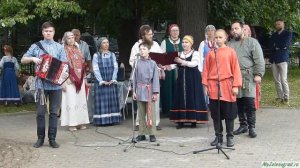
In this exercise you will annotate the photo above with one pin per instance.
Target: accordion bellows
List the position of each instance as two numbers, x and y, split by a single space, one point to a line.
53 70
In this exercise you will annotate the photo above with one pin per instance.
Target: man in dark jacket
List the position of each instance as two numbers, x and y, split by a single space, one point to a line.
280 42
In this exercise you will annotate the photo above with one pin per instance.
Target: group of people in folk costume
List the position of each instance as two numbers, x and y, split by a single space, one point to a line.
186 93
190 86
71 96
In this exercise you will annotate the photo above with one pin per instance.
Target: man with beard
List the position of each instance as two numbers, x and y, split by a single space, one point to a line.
252 65
146 36
279 43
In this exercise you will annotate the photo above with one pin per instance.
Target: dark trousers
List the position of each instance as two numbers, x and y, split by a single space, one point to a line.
54 98
219 128
246 112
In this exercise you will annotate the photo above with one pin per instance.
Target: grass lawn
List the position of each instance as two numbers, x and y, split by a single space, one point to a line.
13 108
268 92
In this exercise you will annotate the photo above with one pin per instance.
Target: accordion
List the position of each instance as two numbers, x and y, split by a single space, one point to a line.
52 70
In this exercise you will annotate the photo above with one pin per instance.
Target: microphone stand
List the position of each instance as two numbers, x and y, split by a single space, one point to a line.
130 87
219 147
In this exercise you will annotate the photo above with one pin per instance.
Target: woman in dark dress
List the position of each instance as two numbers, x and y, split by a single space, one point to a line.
9 92
171 44
189 102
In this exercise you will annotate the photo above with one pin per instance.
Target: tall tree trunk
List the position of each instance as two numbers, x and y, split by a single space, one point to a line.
128 34
126 39
192 19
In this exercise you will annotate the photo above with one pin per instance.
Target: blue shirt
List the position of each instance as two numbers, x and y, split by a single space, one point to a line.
279 44
84 48
55 50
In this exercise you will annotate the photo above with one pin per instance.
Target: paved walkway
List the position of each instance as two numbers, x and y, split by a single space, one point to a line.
278 140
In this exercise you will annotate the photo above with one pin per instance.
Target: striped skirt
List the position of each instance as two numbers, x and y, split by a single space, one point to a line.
107 109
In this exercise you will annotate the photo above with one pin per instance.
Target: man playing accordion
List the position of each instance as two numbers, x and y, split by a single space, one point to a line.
46 88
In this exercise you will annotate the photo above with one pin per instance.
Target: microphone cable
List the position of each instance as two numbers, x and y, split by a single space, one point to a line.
102 133
126 141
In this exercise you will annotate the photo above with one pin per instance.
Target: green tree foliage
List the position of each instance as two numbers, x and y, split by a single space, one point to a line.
256 12
14 11
111 14
114 13
22 11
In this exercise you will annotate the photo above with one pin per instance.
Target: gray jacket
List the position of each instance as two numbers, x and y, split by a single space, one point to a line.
251 61
146 74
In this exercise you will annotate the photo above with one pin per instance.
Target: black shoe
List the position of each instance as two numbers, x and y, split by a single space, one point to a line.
136 128
252 133
152 138
158 128
230 142
193 125
215 142
179 126
240 130
53 144
140 138
38 143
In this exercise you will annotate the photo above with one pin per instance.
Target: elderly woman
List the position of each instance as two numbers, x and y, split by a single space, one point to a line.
74 112
189 103
9 88
209 43
107 111
170 44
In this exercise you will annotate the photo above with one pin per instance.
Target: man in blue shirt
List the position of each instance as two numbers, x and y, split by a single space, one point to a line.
280 42
45 88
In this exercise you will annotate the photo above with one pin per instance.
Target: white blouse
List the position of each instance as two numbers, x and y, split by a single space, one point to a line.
197 60
163 45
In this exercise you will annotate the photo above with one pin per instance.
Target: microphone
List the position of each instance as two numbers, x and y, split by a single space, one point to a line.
137 56
217 66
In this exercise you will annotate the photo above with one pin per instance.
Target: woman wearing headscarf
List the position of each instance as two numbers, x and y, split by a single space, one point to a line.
171 44
9 91
207 45
107 111
189 103
74 112
209 42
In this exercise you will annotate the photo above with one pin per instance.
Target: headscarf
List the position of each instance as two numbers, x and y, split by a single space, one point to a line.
208 27
189 38
171 26
100 40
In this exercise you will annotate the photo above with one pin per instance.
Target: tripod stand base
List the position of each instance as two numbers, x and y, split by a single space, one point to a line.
218 147
132 145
